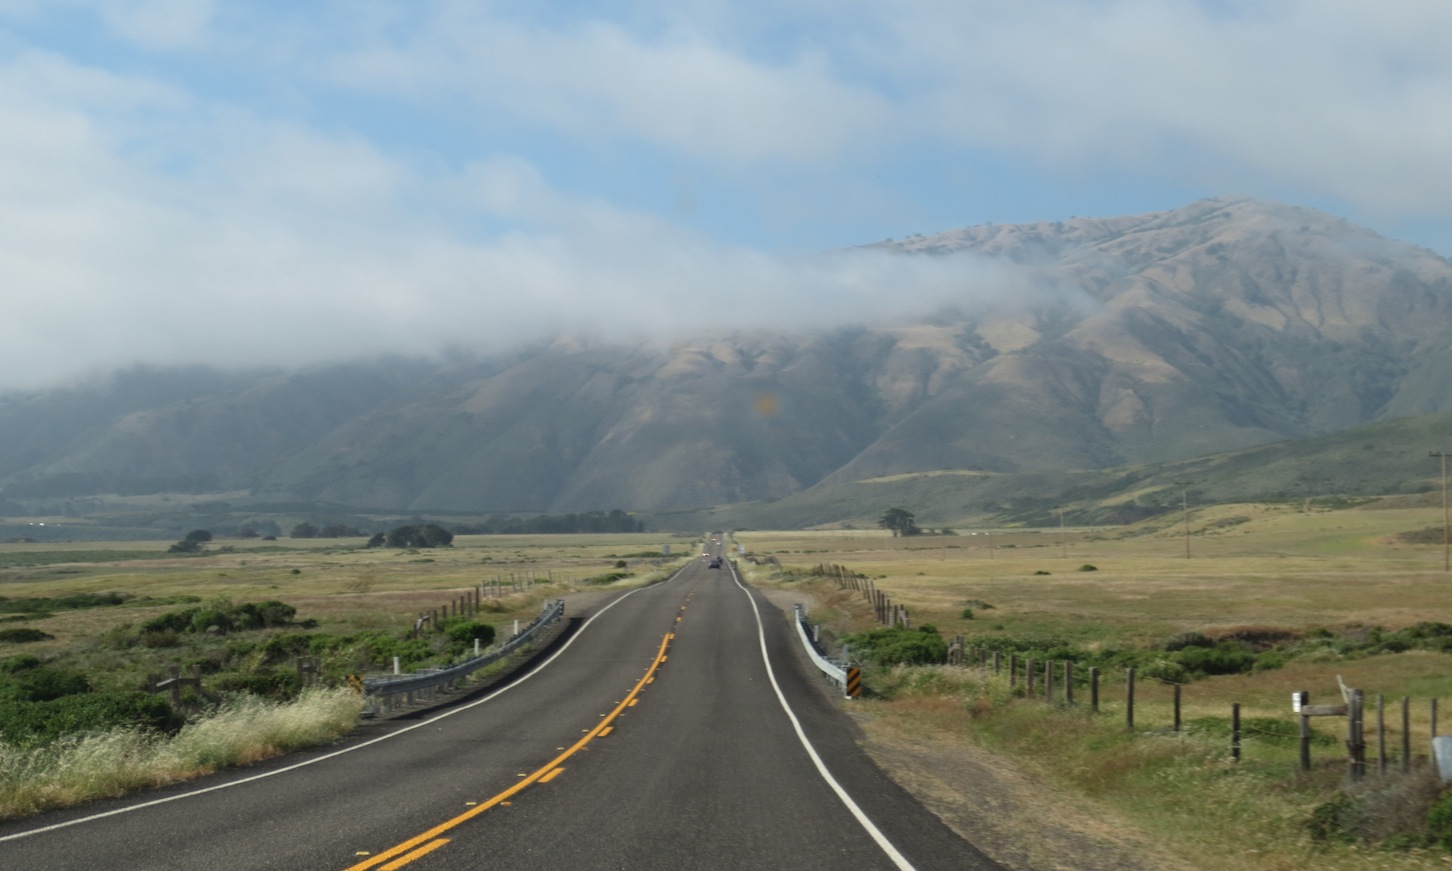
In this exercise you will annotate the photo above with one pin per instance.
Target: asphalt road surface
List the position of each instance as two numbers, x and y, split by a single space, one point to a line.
677 727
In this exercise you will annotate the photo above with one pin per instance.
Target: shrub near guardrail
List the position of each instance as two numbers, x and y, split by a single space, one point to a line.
892 645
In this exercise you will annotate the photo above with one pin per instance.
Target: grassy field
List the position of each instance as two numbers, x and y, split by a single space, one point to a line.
1151 798
70 649
340 584
1281 570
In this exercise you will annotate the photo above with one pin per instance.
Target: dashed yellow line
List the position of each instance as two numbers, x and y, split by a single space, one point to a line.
409 850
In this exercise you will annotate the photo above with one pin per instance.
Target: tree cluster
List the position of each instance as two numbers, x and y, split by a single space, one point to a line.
192 543
900 520
614 520
413 535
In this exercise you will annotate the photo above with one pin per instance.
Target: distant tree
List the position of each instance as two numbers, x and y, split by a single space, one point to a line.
900 520
304 530
377 540
248 532
419 535
192 543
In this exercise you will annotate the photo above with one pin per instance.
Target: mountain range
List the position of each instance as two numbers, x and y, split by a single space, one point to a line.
1081 344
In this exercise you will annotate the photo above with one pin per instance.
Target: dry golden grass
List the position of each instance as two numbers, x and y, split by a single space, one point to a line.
1286 567
337 582
86 767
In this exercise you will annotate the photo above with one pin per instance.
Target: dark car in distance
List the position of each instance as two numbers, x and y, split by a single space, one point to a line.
714 564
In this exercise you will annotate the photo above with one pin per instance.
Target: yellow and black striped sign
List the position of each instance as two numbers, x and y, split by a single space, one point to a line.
854 682
356 682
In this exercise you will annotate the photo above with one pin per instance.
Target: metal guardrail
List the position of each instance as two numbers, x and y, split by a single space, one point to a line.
385 690
837 673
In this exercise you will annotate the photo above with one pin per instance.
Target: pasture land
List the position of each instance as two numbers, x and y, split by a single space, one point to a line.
82 625
1329 580
1044 785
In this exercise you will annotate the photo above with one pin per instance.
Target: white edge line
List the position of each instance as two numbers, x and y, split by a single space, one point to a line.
325 757
892 852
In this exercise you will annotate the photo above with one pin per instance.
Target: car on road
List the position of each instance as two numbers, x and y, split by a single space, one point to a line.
714 564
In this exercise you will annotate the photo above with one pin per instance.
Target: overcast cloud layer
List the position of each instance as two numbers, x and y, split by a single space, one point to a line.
243 182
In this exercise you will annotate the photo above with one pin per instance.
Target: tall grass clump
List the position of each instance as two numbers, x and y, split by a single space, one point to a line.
82 767
974 690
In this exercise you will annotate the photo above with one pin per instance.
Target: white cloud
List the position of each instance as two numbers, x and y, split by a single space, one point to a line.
142 217
1350 99
167 24
277 243
679 88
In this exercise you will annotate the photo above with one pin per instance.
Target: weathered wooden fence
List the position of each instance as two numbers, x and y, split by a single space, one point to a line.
888 613
1056 682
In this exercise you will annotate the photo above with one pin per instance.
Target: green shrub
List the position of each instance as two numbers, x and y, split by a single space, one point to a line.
19 663
23 635
1439 821
465 631
279 684
224 616
1329 820
1165 670
43 683
29 723
894 645
1216 660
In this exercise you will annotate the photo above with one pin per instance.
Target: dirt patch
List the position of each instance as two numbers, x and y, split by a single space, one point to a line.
1016 818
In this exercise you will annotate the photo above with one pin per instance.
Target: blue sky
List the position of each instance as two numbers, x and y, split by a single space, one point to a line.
284 182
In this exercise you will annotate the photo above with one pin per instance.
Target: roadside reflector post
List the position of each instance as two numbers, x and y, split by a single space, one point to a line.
854 682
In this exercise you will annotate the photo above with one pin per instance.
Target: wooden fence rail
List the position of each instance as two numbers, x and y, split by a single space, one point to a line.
1055 683
889 613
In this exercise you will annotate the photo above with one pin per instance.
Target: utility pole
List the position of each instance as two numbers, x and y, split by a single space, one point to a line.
1185 511
1446 534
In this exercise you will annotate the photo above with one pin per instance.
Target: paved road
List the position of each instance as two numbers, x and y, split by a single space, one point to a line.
657 737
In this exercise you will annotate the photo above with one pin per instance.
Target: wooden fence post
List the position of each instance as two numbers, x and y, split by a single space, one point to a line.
1235 731
1406 734
1012 670
1305 735
1028 676
1068 682
1177 707
1381 734
1094 688
1049 681
1129 698
998 662
1355 736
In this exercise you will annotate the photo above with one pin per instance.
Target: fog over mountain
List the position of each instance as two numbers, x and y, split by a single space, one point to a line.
1073 344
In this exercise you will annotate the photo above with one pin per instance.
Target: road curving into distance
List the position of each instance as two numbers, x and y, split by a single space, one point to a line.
677 728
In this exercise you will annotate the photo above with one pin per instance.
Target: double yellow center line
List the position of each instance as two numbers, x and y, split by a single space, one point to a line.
422 844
